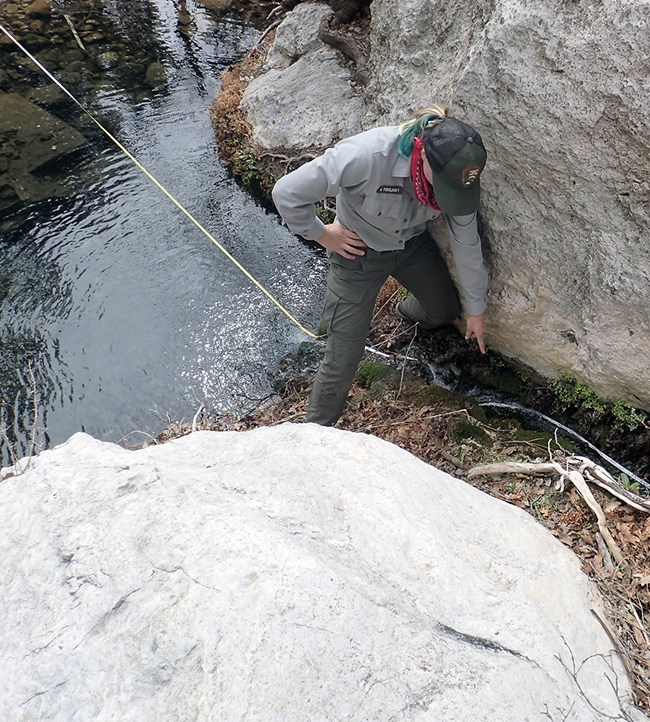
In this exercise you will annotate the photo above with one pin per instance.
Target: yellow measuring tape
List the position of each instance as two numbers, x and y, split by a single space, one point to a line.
178 204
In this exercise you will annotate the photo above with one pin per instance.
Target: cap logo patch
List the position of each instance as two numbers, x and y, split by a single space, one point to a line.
470 174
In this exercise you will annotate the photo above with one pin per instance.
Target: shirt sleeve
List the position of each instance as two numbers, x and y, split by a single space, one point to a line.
468 258
343 166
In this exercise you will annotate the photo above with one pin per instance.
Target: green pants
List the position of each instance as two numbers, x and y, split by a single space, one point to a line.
352 288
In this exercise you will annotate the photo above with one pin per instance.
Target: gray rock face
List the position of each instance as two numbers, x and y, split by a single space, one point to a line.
297 34
308 104
305 98
286 573
560 94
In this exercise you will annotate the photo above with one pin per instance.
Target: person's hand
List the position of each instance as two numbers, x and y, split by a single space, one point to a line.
339 240
476 329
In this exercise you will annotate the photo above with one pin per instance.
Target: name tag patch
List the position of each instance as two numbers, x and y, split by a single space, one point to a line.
392 190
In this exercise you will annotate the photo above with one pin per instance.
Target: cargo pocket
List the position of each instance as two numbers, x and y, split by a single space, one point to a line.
346 303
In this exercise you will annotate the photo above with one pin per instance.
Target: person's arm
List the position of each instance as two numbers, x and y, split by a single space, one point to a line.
295 196
472 275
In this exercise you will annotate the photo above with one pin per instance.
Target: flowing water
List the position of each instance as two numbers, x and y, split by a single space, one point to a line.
115 309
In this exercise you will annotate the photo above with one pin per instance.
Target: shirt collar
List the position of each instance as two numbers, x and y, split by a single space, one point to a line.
402 167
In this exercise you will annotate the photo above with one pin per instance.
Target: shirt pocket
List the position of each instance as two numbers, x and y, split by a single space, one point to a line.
387 205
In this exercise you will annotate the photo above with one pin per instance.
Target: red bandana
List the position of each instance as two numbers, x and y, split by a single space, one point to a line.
421 186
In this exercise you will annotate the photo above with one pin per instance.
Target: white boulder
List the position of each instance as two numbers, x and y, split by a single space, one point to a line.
288 573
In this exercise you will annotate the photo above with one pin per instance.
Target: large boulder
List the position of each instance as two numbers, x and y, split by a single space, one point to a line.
287 573
559 92
306 98
297 35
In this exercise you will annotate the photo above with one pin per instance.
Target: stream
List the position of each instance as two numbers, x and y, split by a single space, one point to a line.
119 315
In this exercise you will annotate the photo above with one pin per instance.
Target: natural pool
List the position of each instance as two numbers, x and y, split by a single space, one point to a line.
115 309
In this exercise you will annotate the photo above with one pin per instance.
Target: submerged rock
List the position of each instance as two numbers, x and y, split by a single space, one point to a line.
156 75
30 139
40 9
107 60
287 573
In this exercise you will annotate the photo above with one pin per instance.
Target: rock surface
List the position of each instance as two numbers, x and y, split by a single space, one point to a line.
30 139
306 101
286 573
560 94
297 35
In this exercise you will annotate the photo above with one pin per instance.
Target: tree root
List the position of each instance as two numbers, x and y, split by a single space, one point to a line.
578 470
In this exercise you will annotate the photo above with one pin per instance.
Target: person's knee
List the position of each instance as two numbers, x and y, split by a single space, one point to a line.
432 315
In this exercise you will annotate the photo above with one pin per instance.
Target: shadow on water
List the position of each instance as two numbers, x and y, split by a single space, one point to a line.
122 311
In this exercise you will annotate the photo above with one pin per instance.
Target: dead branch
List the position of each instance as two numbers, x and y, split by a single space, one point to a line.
75 35
348 47
196 418
287 160
588 470
577 479
260 40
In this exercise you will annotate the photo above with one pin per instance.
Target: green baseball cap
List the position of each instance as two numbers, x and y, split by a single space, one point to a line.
457 157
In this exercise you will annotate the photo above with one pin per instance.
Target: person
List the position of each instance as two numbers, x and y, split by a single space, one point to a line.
389 182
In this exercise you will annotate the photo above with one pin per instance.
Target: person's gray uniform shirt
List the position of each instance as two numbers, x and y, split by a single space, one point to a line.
375 199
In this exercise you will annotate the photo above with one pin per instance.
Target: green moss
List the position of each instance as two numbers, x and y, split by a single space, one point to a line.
570 394
626 418
369 372
462 429
541 438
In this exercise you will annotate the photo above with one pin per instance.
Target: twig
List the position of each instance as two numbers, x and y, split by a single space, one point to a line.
432 416
297 415
13 460
401 380
196 416
594 474
286 159
383 354
75 35
137 431
272 26
34 442
277 9
581 485
392 296
617 645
